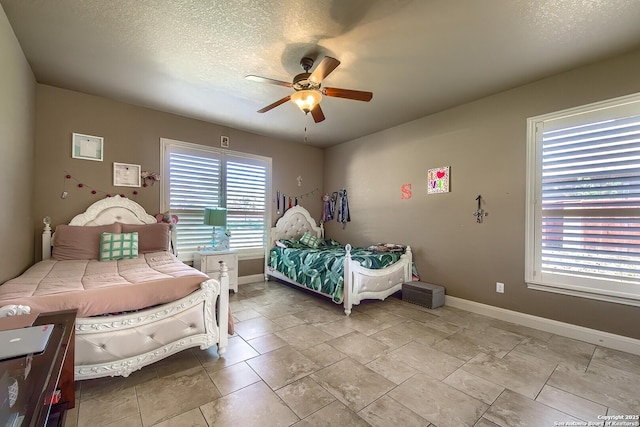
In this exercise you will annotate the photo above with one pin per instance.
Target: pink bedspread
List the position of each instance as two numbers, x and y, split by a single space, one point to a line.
99 287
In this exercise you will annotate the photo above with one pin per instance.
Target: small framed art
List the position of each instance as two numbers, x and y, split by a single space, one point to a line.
126 175
86 147
438 180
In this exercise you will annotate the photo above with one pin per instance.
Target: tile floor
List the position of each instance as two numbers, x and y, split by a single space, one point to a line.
296 359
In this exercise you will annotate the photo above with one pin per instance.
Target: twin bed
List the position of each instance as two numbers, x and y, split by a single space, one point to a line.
297 253
131 311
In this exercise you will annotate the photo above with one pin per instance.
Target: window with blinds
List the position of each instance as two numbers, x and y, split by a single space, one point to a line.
583 235
246 203
199 177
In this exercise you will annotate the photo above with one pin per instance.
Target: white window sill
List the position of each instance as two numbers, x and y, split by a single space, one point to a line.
584 294
246 255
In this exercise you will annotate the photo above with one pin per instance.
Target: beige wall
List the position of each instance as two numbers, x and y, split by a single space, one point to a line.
484 143
132 135
17 118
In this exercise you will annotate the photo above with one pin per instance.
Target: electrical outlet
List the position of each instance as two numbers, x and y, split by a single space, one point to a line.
224 141
500 287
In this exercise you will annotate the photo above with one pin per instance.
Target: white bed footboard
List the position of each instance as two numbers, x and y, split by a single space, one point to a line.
119 345
362 283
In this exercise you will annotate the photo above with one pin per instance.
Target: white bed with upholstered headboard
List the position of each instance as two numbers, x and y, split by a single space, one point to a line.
358 282
133 309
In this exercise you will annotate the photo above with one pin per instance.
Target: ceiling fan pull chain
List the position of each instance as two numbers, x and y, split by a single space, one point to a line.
306 124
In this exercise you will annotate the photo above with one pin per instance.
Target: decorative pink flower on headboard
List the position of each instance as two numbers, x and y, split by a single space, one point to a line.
165 217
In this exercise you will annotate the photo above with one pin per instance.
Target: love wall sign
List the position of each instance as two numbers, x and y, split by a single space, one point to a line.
439 180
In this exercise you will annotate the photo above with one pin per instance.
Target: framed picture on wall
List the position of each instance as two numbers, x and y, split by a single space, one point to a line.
86 147
126 175
438 179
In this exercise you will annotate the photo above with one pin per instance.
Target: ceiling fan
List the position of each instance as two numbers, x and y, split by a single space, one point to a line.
308 88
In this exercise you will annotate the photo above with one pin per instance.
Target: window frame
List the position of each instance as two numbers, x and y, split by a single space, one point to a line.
223 154
598 289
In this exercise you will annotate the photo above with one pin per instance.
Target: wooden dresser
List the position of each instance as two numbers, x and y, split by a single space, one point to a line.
41 386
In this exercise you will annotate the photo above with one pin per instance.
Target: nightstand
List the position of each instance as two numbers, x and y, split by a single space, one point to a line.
209 263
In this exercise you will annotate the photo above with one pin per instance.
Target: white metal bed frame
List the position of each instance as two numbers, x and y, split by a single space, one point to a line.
117 345
359 283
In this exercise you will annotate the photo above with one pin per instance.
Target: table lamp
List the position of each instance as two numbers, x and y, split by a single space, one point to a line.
217 217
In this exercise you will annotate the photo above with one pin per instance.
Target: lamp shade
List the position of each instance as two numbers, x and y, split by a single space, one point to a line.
306 100
215 216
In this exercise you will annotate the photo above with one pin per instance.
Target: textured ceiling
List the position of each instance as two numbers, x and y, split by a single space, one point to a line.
416 56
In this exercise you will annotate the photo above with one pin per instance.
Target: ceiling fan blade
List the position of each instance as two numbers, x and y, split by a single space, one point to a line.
323 69
317 114
275 104
267 80
357 95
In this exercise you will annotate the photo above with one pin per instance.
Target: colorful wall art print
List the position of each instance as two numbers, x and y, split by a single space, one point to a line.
439 180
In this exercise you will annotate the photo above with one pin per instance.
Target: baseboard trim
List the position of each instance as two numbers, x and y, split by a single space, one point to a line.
243 280
593 336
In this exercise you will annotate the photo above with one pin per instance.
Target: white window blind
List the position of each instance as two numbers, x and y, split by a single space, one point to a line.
246 203
584 194
195 183
200 177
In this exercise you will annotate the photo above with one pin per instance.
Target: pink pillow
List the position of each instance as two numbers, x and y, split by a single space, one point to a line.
80 242
151 237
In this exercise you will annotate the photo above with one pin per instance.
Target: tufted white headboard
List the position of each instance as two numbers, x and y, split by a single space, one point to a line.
293 224
105 211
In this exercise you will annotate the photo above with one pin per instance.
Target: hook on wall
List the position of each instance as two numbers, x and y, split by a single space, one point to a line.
479 213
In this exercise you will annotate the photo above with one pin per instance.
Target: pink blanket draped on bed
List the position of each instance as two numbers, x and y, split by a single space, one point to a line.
99 287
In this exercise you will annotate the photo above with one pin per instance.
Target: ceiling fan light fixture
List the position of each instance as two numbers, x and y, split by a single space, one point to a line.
308 90
306 100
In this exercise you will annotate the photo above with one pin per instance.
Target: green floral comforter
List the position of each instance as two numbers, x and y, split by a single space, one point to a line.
322 269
